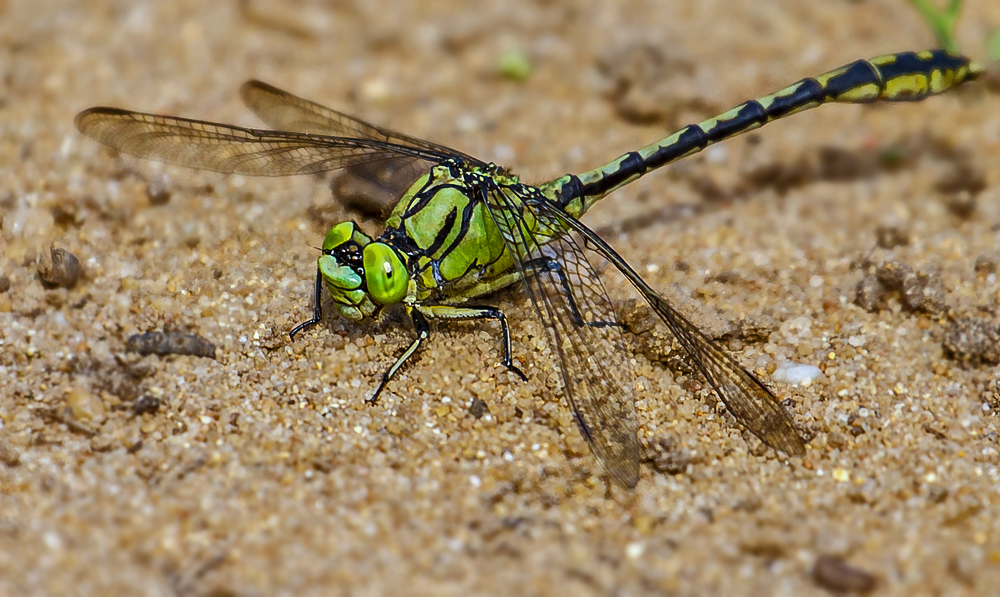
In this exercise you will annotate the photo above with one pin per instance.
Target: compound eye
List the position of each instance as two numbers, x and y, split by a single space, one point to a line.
385 274
338 235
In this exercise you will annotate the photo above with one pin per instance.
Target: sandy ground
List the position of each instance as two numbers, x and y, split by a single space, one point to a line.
262 471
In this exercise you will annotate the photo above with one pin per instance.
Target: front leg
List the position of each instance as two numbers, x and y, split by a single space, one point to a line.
317 308
423 331
419 315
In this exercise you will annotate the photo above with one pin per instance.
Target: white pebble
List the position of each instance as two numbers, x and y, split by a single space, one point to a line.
796 373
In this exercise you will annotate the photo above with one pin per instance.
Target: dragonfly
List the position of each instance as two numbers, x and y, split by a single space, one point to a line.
467 228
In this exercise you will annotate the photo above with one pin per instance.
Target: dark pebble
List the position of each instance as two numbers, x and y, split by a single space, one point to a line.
666 458
891 236
835 574
868 292
984 265
4 283
158 192
478 408
973 340
170 343
60 269
146 404
962 204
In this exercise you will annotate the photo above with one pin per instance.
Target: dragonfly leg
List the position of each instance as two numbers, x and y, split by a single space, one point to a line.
423 331
317 308
545 264
478 312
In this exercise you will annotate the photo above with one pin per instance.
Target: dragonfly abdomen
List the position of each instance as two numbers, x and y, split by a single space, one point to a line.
906 76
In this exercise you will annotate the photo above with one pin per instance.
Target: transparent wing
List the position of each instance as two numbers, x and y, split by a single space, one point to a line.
283 111
373 188
749 400
236 150
575 311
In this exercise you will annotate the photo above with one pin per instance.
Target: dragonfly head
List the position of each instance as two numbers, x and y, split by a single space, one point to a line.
362 275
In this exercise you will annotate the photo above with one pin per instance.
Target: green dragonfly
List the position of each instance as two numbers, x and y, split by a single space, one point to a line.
467 228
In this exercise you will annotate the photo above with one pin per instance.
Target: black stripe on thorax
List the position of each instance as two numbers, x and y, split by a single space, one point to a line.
443 232
463 231
427 194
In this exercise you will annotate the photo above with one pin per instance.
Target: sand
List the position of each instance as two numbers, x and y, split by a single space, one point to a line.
859 240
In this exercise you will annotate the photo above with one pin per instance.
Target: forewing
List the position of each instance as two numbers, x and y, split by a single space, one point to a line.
283 111
593 359
746 397
231 149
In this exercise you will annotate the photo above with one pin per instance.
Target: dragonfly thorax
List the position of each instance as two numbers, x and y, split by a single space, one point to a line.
362 275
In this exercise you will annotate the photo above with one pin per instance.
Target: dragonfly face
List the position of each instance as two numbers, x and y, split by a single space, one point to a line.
362 275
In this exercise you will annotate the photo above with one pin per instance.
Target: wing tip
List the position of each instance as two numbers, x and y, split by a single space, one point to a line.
81 119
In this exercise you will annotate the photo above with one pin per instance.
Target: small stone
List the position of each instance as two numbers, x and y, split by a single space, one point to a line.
892 274
66 212
146 404
923 291
101 443
60 268
158 191
891 236
8 454
84 406
832 573
991 395
985 264
962 204
973 340
868 293
478 408
170 343
664 457
4 283
796 373
836 440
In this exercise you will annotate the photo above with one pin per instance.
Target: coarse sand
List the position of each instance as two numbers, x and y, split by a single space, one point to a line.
859 240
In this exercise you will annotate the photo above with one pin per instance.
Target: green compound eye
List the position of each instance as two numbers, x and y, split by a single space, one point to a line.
338 235
386 276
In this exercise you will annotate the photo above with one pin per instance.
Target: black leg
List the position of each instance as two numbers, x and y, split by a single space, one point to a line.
423 331
317 308
497 314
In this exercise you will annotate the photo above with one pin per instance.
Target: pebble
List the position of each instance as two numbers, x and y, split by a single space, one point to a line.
146 404
158 191
84 406
8 454
170 343
796 373
973 340
60 268
832 573
478 408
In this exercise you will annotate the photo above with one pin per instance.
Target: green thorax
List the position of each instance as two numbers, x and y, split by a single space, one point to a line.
443 227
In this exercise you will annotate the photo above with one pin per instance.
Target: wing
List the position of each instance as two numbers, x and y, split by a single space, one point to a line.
749 400
283 111
236 150
569 298
372 188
